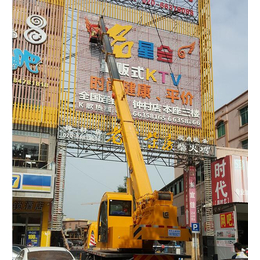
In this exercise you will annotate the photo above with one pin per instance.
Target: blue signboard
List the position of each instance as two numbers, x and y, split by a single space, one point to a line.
195 227
31 182
33 236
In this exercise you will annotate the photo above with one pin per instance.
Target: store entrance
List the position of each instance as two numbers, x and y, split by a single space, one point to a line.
19 235
26 228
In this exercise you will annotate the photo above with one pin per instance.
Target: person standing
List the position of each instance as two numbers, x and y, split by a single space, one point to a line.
239 252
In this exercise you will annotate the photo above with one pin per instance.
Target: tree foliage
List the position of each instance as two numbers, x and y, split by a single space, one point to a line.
122 188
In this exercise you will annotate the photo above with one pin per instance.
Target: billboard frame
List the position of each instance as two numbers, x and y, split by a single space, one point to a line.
69 116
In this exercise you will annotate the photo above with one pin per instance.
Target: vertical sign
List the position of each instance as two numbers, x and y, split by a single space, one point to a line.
221 184
33 236
186 196
190 195
225 231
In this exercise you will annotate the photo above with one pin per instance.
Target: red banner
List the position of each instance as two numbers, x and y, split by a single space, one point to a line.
227 220
221 184
229 180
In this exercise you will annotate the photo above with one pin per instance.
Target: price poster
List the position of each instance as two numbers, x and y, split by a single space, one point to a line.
33 236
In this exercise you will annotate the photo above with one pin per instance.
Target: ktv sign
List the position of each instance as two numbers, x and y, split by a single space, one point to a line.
161 78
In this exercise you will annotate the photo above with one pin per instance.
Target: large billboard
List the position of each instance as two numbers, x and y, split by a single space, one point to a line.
166 72
160 70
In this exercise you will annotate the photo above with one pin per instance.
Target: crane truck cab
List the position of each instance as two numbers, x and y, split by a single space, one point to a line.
115 219
118 227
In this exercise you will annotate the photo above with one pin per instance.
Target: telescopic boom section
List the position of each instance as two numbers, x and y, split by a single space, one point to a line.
139 176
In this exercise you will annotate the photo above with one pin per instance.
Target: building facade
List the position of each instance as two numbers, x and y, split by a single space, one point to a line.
231 121
37 31
54 87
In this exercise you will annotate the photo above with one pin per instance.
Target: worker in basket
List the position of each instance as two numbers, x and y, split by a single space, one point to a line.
94 31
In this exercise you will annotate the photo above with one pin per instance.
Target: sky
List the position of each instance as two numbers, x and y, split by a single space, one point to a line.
229 24
87 180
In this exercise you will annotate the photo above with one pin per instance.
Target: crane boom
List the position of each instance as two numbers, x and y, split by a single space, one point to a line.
138 173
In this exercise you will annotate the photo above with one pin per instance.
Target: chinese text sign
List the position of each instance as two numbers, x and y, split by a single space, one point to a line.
190 197
161 79
221 185
229 180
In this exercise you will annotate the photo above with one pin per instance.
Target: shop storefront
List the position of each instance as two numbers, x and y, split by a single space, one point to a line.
230 203
32 209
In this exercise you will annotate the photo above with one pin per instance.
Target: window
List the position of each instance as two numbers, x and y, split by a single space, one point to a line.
119 208
244 116
182 210
245 144
181 185
30 155
25 151
103 229
199 173
221 129
176 189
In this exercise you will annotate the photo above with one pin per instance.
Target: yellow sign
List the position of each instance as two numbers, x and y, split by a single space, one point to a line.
16 181
118 32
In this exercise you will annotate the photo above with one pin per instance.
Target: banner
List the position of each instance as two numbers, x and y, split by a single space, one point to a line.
190 196
229 180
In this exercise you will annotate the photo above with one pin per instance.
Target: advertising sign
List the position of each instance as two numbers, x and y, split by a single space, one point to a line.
221 185
225 234
229 180
31 182
239 178
160 70
34 206
33 236
190 197
227 220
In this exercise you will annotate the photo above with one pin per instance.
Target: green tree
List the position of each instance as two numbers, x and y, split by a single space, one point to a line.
122 188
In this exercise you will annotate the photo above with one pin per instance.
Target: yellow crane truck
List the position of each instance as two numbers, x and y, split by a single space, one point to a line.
129 223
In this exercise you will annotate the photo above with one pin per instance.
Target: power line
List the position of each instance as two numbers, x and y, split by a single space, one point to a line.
159 174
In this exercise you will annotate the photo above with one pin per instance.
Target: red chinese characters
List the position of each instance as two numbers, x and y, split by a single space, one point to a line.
164 54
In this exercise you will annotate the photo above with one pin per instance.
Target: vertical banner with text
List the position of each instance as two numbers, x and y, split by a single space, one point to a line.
221 184
190 195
